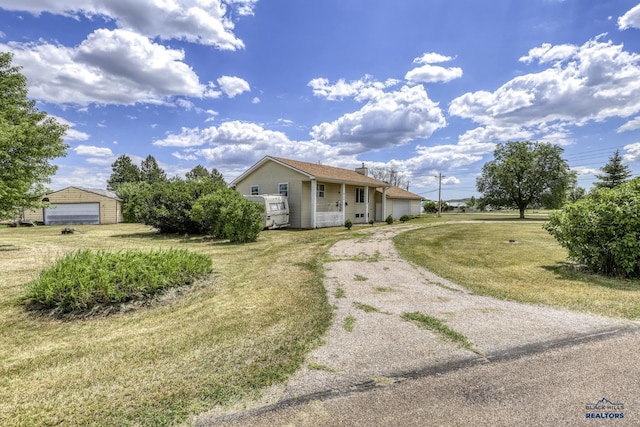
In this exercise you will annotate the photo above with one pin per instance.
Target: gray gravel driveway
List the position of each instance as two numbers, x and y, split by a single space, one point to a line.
371 287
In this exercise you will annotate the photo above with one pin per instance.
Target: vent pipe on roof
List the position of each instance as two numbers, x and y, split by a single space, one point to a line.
363 170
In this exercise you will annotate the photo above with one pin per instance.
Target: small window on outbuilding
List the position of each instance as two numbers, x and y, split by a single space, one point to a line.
255 190
320 192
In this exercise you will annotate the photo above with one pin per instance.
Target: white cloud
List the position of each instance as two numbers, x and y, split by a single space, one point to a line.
549 53
362 89
236 144
431 58
255 100
433 74
632 124
631 19
71 134
233 86
390 119
80 176
595 81
145 72
204 22
428 73
632 152
93 151
584 170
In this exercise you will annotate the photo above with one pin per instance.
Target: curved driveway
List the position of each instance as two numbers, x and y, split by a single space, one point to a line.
370 345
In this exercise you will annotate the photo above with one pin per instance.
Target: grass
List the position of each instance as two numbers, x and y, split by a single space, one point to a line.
85 279
160 365
531 269
383 289
368 308
349 323
359 278
440 328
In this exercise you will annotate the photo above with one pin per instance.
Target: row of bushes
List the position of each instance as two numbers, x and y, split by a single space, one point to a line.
193 206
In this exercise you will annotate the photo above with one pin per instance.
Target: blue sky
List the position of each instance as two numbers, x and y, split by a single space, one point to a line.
427 87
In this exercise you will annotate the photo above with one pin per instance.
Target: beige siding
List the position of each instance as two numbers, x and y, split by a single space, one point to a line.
110 209
416 207
268 176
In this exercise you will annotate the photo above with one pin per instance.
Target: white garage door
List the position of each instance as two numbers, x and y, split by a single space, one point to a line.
72 213
401 207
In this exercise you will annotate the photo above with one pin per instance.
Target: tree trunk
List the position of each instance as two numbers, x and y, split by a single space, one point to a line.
522 213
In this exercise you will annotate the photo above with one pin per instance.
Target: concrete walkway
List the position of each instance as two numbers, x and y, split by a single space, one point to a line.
371 346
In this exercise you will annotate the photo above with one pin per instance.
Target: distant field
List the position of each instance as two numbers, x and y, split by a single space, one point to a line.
501 256
246 327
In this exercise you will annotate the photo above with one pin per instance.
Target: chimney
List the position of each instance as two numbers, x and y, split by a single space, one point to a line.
363 170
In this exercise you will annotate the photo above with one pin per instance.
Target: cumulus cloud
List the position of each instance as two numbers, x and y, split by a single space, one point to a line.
390 118
145 72
71 134
362 89
428 73
632 152
93 151
632 124
233 86
595 81
236 144
631 19
206 22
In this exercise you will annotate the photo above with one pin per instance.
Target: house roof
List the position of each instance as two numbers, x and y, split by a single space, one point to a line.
399 193
318 172
98 191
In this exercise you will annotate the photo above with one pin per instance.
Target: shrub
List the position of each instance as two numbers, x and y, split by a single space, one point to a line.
348 224
225 214
166 204
405 218
371 222
83 279
602 230
389 219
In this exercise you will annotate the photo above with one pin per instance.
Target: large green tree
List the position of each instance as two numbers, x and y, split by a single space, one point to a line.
525 173
124 170
151 172
614 172
29 140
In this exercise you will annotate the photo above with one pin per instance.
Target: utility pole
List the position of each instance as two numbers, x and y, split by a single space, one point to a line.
440 193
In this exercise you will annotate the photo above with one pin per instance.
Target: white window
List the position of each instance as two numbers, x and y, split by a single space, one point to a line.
359 195
283 189
255 190
320 190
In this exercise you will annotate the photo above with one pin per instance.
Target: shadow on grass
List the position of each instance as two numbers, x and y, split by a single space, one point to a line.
570 271
511 219
7 248
180 238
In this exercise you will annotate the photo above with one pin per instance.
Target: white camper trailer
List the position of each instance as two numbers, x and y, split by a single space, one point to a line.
276 209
